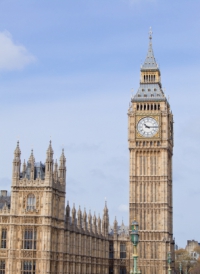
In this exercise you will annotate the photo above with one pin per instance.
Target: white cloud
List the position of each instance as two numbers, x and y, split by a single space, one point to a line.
123 208
13 56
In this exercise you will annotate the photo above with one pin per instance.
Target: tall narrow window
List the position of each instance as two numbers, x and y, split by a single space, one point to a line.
30 202
3 238
144 165
28 267
2 267
122 270
154 165
122 250
140 165
111 250
29 239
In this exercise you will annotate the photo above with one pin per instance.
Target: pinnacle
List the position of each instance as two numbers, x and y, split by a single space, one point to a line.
150 61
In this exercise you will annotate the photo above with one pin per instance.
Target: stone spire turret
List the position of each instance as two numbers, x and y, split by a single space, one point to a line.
84 220
105 223
31 163
115 226
55 173
79 221
67 217
62 168
24 169
74 215
49 164
99 225
17 162
90 222
94 224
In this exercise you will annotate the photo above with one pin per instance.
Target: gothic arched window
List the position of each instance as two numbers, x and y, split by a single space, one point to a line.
30 202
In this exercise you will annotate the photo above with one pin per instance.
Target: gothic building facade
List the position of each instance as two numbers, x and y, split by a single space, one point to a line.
38 234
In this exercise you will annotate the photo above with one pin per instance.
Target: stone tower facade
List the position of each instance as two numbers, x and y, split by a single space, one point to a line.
151 148
38 234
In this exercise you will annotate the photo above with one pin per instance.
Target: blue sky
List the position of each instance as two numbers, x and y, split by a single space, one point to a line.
67 69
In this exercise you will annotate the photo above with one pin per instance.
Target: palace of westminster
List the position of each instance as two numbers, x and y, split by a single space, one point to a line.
40 234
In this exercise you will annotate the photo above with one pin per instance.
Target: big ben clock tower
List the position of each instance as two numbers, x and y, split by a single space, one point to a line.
151 149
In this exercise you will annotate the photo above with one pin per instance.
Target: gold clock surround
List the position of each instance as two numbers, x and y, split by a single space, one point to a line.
154 116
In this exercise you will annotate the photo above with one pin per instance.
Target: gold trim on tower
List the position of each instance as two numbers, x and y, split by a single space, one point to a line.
154 116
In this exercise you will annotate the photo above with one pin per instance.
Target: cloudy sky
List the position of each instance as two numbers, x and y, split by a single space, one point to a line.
67 69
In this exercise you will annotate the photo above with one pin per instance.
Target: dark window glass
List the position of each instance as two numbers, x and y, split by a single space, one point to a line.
111 251
30 236
122 270
122 251
30 202
3 238
28 267
2 267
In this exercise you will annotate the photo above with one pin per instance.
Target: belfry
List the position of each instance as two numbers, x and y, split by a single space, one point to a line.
150 187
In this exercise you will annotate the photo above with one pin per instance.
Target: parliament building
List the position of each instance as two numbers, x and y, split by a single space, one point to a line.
40 234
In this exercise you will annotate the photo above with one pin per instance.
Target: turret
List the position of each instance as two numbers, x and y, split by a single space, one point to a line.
62 168
55 174
31 163
94 224
115 226
99 225
49 163
105 223
73 215
17 162
90 222
84 220
24 169
79 221
67 217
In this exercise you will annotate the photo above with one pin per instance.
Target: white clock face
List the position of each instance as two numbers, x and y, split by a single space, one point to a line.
147 127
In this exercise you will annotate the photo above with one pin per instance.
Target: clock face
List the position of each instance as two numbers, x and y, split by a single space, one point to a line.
147 127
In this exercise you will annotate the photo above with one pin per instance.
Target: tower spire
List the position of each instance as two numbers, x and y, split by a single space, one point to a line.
150 78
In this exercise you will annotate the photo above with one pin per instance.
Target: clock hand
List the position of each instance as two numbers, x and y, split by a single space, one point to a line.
146 126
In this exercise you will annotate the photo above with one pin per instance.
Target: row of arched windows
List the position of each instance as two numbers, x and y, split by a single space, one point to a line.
148 106
149 78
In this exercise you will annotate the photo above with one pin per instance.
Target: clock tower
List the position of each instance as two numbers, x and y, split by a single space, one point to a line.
151 148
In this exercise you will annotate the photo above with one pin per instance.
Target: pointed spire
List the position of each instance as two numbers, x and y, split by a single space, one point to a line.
31 158
115 225
50 152
150 61
99 225
62 157
73 215
17 150
16 163
90 221
94 223
79 218
67 213
84 220
62 168
56 171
